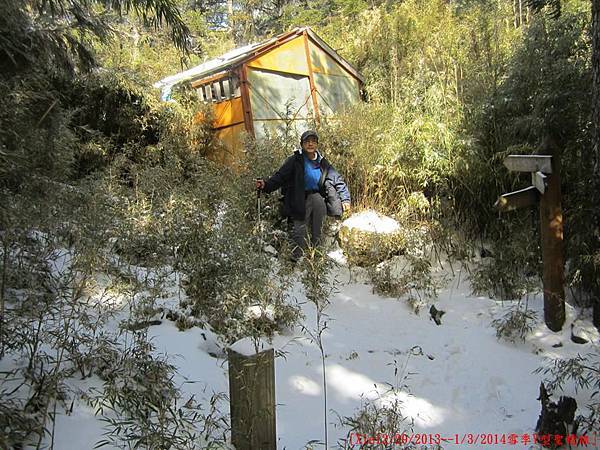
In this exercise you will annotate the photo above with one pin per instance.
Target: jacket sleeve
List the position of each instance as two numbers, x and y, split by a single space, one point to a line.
339 184
282 177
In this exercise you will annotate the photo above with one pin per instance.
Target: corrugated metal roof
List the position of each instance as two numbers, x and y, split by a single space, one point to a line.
214 65
243 54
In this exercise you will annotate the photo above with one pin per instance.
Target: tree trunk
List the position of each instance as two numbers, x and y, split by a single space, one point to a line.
2 289
230 19
596 120
520 12
596 87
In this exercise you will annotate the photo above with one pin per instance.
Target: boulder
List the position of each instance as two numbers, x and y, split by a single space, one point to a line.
368 238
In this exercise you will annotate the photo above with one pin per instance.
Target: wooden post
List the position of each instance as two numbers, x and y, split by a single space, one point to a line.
311 78
252 400
551 223
545 176
245 94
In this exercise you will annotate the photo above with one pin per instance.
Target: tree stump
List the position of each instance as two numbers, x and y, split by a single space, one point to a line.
252 400
556 418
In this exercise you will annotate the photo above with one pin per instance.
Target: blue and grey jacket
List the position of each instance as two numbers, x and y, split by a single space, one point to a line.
290 179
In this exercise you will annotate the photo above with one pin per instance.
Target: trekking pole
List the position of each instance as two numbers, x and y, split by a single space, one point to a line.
258 207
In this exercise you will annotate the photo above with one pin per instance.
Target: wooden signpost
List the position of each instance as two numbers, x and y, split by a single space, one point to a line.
546 188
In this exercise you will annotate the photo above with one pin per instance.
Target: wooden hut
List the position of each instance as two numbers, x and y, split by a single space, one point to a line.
293 78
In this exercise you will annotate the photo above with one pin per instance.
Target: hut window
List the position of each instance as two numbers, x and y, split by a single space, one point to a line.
234 87
225 88
220 90
201 93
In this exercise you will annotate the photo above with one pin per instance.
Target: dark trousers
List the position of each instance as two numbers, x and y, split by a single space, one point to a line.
312 223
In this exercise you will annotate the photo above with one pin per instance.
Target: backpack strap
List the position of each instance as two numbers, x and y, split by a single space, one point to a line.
324 173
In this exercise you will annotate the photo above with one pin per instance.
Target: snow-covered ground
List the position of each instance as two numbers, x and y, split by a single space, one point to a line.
454 379
460 378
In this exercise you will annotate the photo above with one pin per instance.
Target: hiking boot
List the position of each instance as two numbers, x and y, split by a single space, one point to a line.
296 254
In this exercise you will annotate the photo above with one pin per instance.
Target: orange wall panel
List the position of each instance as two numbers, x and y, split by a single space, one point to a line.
228 113
289 57
231 138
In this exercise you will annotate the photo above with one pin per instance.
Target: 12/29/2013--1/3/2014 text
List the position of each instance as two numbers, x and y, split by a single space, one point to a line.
546 440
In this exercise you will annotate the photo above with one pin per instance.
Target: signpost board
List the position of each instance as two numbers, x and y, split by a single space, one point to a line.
518 199
529 163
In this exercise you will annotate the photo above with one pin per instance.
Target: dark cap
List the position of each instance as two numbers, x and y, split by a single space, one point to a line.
307 134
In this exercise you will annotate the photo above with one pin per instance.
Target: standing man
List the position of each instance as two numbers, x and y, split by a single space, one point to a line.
306 178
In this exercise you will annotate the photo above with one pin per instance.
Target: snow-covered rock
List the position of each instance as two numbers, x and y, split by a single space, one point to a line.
372 221
258 311
368 238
